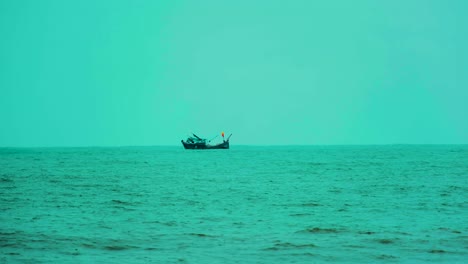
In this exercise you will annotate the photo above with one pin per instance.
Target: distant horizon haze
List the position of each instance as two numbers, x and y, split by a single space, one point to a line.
145 73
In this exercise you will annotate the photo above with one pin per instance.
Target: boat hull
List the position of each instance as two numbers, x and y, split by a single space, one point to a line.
224 145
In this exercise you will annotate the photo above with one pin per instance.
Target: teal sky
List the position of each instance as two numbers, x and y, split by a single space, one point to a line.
112 73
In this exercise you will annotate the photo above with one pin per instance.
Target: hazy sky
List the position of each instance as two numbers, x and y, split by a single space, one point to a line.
105 73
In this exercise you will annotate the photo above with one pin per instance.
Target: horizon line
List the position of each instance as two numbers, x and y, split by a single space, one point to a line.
241 145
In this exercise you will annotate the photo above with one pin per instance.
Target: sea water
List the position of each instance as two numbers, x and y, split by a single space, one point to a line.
291 204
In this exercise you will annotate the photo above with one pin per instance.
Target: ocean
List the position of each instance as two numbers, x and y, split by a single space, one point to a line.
248 204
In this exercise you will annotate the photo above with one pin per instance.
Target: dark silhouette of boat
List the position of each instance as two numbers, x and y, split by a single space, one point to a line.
196 142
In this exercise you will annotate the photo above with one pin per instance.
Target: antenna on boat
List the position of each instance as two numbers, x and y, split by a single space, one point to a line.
213 138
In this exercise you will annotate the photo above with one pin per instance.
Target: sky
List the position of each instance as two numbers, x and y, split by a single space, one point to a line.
131 73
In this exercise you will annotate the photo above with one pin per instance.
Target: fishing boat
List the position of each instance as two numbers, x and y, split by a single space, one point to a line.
197 142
